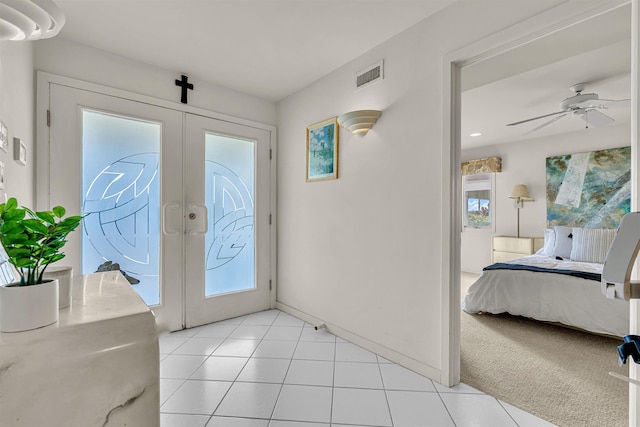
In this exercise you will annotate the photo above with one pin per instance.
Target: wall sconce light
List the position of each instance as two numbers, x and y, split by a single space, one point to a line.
520 193
359 121
29 19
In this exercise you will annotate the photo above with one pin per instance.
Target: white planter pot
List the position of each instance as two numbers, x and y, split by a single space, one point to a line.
64 276
23 308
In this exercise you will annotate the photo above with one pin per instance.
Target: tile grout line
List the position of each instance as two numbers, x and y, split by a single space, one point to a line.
384 387
184 381
287 371
505 410
232 382
236 377
210 355
333 380
444 404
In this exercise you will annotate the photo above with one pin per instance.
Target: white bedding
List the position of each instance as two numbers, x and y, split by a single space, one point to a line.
549 297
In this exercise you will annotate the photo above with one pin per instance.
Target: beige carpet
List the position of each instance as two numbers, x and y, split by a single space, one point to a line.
559 374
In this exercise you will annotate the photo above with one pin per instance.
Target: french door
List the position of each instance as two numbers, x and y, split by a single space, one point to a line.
178 202
227 220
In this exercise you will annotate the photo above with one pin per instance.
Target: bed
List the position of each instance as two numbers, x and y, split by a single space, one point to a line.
560 283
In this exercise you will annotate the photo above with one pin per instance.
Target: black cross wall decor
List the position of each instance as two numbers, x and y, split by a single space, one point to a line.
184 85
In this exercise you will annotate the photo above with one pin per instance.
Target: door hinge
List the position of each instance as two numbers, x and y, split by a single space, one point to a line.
269 284
49 118
270 153
270 219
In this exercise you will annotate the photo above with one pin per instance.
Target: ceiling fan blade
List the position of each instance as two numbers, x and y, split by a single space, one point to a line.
595 118
604 103
555 119
535 118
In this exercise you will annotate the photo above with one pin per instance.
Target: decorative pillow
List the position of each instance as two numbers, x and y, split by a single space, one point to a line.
591 245
563 242
549 242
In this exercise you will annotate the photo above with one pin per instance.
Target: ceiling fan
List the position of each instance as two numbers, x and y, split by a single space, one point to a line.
583 105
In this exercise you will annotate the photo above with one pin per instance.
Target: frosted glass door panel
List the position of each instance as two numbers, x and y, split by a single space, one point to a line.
229 197
227 229
121 198
120 162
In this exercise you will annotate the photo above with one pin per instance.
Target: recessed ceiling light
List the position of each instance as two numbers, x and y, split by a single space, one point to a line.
475 134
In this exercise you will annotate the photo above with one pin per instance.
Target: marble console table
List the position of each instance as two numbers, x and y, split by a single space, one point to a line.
98 366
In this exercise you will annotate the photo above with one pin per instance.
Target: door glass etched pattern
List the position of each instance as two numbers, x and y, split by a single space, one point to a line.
229 196
121 198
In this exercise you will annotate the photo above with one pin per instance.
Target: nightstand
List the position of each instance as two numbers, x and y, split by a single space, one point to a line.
504 248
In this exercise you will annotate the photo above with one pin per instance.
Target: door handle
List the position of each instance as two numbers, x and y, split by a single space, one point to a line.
166 230
198 214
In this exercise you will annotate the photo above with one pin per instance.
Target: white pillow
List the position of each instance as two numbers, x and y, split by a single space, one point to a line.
549 242
564 242
591 245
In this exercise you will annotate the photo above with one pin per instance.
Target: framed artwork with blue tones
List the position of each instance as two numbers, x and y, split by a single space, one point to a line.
322 150
589 190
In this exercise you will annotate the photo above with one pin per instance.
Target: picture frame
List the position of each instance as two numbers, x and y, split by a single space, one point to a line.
322 150
19 152
4 137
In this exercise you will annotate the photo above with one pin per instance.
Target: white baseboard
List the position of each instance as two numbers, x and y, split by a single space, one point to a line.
428 371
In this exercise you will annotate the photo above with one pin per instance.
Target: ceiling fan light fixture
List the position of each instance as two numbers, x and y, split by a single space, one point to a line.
29 19
584 105
577 99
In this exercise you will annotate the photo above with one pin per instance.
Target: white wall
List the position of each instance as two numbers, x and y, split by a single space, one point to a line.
525 163
70 59
16 111
363 253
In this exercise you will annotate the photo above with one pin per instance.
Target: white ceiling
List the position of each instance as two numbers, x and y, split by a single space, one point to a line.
248 44
532 80
266 48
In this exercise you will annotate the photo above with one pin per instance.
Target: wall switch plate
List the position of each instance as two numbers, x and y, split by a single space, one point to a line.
19 151
4 137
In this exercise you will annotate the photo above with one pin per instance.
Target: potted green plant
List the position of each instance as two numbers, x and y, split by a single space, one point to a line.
32 240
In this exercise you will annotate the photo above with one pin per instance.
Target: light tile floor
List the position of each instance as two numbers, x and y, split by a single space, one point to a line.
270 369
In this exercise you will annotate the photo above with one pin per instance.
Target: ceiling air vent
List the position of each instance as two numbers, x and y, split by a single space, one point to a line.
370 75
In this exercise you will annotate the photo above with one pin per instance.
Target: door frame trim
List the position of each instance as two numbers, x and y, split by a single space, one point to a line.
42 166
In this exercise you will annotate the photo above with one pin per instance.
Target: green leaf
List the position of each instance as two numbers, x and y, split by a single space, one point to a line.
14 215
35 226
23 262
59 211
46 217
12 239
33 240
12 203
11 227
19 253
56 258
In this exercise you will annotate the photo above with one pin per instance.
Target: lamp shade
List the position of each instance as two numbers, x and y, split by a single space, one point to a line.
29 19
520 191
359 121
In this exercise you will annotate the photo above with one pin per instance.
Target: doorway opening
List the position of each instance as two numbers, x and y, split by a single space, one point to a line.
479 57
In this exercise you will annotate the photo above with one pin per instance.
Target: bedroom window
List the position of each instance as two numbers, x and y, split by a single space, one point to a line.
477 193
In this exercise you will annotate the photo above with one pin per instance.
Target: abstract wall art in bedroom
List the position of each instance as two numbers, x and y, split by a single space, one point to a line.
589 190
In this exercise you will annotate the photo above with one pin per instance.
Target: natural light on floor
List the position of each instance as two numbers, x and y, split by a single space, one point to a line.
270 369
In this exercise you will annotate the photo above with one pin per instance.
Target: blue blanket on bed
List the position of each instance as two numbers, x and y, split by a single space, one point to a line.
575 273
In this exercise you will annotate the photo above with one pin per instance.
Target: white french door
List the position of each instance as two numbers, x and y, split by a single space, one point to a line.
227 220
178 202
